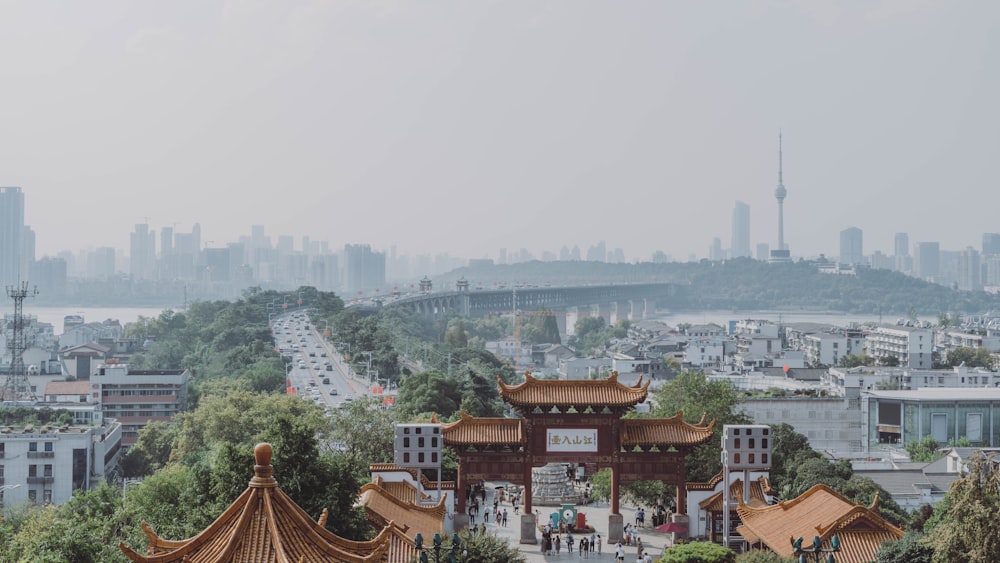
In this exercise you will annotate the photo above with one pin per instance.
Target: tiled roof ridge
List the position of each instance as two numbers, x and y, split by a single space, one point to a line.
437 510
638 392
676 419
424 481
856 512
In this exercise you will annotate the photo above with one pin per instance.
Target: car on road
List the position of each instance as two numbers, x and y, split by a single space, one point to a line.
348 398
334 392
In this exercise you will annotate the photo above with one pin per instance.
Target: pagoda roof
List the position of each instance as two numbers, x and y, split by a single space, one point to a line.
665 431
547 393
426 483
822 512
264 525
495 431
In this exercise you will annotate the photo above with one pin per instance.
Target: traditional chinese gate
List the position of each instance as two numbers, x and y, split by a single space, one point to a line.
572 422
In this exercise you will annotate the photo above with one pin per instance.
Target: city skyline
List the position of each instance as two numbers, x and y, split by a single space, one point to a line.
400 126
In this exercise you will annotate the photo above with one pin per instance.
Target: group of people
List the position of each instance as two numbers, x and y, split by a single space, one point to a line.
552 543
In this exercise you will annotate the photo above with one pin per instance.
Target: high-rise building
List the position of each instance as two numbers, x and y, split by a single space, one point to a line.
991 244
901 253
11 231
970 275
780 254
927 261
142 252
363 268
851 246
741 231
715 250
763 251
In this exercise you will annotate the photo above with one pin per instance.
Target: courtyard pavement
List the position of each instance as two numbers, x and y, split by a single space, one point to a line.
597 516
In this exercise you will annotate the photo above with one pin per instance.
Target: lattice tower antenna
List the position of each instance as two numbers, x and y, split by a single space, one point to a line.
17 389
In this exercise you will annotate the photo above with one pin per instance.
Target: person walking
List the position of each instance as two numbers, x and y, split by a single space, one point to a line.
505 518
598 544
569 543
558 544
619 553
592 539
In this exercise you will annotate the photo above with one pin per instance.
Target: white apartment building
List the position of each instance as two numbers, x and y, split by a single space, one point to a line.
707 351
824 348
45 464
911 346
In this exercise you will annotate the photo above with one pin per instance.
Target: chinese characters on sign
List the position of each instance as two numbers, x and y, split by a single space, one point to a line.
571 439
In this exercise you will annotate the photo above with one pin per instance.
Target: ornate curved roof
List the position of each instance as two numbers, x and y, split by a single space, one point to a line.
645 432
426 483
597 393
384 508
822 512
470 430
263 525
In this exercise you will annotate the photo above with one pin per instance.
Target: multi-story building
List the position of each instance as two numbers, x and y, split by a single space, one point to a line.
927 261
11 230
824 348
911 346
363 268
708 351
46 463
137 397
851 246
142 252
948 414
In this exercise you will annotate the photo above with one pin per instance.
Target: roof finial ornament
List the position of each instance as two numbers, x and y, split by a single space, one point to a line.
262 454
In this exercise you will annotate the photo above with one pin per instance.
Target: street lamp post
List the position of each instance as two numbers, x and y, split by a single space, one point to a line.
126 482
816 552
451 553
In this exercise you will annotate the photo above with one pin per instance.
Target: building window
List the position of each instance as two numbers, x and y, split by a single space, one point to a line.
33 446
48 446
47 496
32 495
47 470
32 470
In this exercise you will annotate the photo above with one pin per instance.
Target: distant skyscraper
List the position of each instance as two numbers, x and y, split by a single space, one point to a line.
851 246
11 230
715 251
363 268
902 245
763 251
991 243
927 261
741 230
780 254
142 252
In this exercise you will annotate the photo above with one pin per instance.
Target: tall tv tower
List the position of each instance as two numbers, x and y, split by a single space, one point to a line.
779 194
17 389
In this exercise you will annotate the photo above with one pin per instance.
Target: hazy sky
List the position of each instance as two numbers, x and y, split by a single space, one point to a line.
468 126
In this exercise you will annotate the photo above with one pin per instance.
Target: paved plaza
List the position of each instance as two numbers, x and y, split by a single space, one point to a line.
597 516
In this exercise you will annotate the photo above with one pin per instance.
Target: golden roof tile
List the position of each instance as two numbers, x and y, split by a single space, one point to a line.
664 431
263 525
822 512
382 508
596 393
757 498
470 430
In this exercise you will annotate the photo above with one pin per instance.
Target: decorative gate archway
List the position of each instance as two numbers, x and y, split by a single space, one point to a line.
573 422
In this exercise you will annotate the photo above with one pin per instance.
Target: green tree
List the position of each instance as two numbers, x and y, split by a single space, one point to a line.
755 556
699 552
967 528
926 449
912 548
364 432
455 336
695 395
486 548
427 392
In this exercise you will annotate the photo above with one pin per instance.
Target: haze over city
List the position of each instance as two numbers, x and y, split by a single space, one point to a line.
468 127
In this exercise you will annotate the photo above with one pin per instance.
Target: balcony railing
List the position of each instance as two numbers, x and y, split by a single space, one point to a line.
41 454
40 480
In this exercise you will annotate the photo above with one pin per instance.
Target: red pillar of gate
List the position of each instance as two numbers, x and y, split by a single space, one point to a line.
527 484
616 473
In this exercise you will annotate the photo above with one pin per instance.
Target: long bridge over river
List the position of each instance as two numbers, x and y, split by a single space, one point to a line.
614 302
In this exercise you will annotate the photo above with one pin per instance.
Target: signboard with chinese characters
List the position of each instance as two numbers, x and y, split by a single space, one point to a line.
571 439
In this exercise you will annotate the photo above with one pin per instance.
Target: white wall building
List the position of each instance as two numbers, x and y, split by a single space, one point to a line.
911 346
45 464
